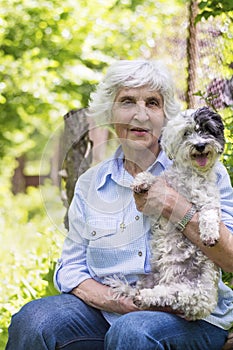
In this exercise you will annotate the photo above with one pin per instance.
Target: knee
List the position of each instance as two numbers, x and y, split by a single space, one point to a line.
30 319
33 326
129 332
124 326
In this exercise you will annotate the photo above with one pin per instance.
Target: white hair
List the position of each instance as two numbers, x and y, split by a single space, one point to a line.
132 74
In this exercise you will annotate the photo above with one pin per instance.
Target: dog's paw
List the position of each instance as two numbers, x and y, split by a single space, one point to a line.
145 298
210 242
120 287
140 302
142 182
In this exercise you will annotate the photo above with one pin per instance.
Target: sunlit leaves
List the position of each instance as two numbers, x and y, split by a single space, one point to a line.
53 53
215 8
222 11
29 245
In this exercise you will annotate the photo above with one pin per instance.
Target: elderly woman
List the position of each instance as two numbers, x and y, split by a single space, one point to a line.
108 235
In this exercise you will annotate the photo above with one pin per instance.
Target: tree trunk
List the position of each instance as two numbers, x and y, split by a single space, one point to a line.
76 152
192 54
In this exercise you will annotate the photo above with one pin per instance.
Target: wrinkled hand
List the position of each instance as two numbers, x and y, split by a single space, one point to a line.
124 305
162 200
102 297
154 201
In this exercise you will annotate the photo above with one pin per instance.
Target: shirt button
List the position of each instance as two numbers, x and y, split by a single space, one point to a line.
93 233
139 253
137 217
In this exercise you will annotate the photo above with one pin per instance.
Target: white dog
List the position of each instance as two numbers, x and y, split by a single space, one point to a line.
182 277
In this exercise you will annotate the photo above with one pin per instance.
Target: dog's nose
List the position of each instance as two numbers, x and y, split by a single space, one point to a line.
200 147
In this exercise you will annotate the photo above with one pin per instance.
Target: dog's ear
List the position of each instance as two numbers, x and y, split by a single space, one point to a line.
165 142
172 134
211 122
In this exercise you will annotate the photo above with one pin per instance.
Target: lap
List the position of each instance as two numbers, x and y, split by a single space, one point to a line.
65 322
159 330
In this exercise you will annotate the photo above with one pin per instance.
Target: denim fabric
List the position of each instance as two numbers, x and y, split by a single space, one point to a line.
65 322
58 322
147 330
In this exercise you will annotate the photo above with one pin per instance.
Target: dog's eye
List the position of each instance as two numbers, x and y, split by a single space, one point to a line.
187 133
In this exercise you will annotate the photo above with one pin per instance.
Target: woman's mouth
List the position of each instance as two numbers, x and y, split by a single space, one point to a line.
139 131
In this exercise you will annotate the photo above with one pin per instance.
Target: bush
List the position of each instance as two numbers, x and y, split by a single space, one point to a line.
30 243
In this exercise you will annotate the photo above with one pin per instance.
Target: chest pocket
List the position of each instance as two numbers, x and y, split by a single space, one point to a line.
105 232
99 231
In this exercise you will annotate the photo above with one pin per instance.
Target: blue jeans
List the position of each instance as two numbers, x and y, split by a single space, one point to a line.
147 330
57 322
65 322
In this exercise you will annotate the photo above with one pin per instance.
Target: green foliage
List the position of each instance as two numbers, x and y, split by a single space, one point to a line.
223 12
29 246
227 157
228 278
215 8
53 53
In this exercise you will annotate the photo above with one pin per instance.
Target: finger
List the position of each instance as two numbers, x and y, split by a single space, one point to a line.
140 196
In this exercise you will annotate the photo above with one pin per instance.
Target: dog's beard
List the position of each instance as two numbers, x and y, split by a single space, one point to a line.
189 157
203 161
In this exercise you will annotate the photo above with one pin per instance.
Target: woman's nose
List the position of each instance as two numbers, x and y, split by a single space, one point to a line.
141 113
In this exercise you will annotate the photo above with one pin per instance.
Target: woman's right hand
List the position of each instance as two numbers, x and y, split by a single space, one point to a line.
101 297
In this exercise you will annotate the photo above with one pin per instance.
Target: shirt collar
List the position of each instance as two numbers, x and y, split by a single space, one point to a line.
161 160
114 168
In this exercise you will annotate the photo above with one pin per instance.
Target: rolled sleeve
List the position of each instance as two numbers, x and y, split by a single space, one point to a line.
71 268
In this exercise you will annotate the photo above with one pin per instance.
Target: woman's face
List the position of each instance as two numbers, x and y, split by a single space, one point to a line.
138 116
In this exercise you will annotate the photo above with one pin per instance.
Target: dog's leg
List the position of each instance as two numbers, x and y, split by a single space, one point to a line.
142 182
199 300
160 295
193 303
120 287
209 220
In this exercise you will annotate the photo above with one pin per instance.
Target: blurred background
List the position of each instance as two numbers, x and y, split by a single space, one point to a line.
52 55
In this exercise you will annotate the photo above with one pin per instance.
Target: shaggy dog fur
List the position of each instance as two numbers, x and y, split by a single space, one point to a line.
182 277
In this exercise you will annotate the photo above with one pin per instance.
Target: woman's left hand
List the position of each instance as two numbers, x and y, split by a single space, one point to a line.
161 199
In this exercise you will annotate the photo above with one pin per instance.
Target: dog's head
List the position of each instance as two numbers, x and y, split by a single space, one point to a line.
195 138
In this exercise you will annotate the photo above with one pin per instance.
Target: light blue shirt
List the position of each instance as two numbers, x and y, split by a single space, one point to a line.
107 235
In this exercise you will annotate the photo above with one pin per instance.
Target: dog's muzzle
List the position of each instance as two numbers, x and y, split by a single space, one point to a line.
200 147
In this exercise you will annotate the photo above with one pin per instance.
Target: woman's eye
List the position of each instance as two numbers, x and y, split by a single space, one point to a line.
127 103
153 103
